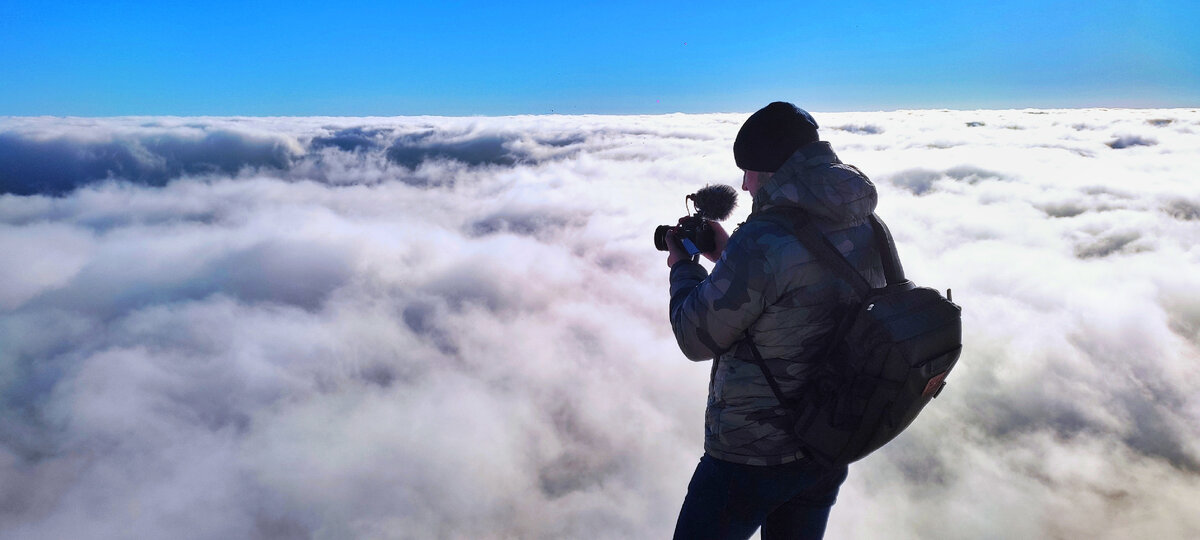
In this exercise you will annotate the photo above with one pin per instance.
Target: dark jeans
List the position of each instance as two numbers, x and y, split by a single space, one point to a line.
728 501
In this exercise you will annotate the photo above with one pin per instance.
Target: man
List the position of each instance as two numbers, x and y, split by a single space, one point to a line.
768 287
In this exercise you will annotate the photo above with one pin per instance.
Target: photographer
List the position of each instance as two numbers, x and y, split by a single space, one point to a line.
767 286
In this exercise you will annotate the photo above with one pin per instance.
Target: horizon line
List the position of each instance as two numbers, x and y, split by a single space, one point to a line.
676 113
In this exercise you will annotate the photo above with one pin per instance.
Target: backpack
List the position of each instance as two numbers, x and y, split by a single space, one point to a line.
888 356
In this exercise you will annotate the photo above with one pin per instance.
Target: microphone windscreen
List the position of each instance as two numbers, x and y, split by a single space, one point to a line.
715 202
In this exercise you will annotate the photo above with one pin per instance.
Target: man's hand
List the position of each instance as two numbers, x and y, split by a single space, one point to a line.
675 251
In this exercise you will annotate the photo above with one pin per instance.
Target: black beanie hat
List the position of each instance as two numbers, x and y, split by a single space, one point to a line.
771 135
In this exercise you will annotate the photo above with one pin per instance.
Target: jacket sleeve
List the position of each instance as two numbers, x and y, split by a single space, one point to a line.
709 313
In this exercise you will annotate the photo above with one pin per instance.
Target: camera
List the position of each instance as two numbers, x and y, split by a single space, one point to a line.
712 203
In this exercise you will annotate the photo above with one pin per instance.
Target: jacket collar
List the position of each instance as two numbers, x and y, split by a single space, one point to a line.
813 154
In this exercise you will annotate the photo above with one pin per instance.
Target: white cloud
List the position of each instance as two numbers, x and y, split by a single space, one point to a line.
435 327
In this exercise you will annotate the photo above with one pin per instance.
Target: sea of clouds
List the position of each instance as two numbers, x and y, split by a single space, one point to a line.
457 327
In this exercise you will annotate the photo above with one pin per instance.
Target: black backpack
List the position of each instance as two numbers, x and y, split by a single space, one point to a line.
888 356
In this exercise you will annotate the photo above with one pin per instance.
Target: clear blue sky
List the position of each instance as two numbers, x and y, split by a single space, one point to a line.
459 58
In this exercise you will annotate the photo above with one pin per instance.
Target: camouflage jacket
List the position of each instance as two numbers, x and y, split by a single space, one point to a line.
768 286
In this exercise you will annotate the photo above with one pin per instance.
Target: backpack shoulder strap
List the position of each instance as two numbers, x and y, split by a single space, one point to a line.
798 223
811 237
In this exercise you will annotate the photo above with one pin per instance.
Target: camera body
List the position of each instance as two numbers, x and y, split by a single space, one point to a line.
693 232
712 203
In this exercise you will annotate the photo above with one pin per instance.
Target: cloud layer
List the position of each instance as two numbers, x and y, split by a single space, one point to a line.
456 328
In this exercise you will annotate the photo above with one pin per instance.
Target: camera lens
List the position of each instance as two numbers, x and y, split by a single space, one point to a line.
660 237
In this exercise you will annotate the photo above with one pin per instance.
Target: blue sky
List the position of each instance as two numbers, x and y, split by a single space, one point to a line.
493 58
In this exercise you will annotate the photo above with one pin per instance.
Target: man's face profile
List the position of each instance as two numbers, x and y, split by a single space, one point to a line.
752 180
